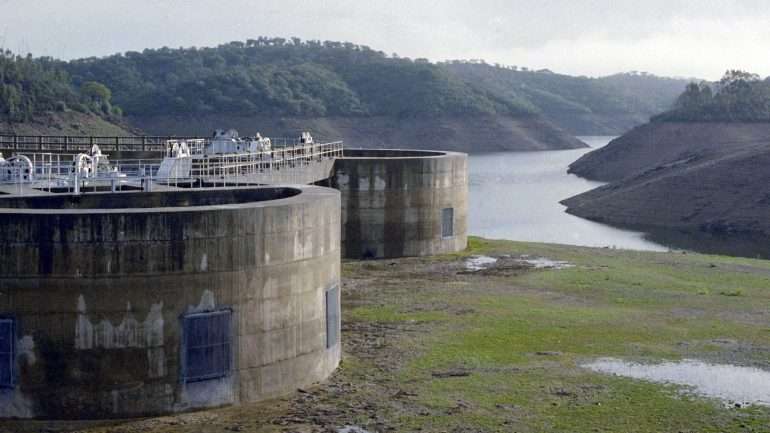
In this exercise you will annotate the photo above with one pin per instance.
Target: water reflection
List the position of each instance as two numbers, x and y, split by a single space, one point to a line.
477 263
729 383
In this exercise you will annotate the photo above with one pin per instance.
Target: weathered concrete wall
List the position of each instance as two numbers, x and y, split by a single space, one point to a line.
393 201
98 289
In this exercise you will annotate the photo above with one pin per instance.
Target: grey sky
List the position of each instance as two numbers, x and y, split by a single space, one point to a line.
585 37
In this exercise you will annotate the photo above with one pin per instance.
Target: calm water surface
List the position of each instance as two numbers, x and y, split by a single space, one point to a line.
515 195
729 383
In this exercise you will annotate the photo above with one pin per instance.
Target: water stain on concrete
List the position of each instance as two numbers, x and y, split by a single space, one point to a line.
733 385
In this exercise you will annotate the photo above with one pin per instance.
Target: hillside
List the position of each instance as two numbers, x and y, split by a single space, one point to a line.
738 97
482 133
657 145
67 123
700 176
37 96
278 77
664 171
294 78
291 81
583 106
335 89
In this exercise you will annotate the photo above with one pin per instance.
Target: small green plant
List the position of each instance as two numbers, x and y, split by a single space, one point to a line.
737 292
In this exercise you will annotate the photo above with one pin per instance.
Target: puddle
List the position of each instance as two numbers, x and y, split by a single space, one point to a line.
352 429
545 263
732 384
477 263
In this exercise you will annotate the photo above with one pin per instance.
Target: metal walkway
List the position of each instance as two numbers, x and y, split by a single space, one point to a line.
52 167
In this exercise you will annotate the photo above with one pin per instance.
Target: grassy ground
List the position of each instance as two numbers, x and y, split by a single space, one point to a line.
432 347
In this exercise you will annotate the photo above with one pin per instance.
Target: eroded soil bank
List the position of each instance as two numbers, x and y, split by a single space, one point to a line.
433 345
698 181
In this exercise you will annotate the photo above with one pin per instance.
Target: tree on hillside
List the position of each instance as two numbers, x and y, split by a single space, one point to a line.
99 96
738 97
695 95
29 86
96 92
736 76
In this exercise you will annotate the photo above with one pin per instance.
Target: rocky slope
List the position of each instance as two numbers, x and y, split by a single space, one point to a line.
67 123
467 134
696 177
475 133
659 143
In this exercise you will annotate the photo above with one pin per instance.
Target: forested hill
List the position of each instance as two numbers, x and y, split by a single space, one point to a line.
346 89
607 105
32 86
698 168
278 77
738 97
37 97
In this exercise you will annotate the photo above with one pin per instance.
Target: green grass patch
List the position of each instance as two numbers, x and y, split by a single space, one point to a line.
390 314
528 334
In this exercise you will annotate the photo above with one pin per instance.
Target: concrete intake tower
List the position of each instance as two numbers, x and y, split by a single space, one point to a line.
207 277
133 304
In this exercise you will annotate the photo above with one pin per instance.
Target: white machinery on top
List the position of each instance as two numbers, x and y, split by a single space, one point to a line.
92 170
224 160
17 169
228 157
305 138
177 164
93 164
228 142
47 171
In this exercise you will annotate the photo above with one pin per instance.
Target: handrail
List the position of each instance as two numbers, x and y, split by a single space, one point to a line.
286 164
70 143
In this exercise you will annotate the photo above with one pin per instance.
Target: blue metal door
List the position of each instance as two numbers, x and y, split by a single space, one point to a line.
7 342
332 316
207 345
447 222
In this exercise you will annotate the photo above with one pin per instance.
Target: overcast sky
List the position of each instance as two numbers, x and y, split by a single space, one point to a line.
583 37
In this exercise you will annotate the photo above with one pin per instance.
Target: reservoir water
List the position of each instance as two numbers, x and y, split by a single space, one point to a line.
515 195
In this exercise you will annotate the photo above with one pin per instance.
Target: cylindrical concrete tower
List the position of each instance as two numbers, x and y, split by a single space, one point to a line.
119 305
399 203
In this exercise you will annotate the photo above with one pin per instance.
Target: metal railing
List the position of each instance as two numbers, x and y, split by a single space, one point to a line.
286 164
249 164
48 143
53 143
